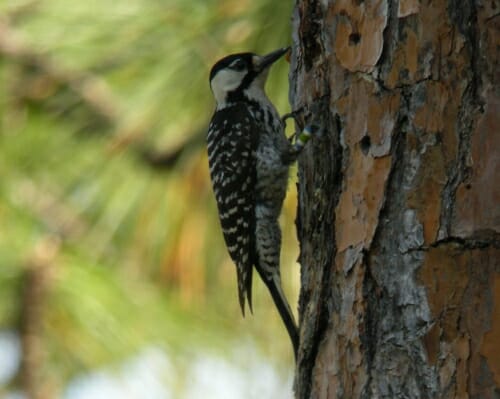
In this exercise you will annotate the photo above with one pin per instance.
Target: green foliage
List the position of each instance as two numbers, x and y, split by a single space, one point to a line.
94 86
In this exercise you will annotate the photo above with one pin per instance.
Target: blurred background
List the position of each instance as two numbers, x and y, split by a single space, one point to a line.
114 278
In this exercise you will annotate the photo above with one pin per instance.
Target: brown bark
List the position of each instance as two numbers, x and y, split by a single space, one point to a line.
399 215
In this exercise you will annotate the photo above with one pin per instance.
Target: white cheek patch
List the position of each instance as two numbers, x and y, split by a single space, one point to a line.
225 81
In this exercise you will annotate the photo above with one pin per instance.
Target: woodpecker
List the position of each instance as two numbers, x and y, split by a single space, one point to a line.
249 157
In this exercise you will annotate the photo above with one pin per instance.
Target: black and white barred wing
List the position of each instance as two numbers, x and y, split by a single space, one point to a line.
231 158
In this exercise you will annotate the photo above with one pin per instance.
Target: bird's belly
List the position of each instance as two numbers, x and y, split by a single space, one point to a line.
272 176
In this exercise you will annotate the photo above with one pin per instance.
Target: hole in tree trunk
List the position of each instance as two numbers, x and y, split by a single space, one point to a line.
354 38
365 144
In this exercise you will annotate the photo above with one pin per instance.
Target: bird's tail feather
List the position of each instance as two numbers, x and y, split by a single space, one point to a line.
276 290
245 288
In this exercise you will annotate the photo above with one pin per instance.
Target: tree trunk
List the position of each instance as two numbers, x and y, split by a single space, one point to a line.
399 215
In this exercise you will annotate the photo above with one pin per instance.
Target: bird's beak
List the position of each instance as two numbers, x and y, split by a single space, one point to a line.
267 60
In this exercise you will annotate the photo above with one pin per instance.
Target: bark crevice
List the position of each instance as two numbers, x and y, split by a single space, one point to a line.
414 249
316 221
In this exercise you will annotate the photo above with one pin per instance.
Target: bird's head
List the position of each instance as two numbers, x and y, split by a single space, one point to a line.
242 76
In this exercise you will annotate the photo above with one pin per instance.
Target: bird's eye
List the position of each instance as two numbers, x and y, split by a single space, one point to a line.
237 65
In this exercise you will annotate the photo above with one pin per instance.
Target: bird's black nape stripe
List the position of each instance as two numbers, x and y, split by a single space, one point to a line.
238 94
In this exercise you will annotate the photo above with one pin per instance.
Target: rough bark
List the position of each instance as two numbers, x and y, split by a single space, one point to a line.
399 215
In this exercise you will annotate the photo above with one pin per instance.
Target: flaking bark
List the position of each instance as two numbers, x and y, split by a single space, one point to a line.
399 215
